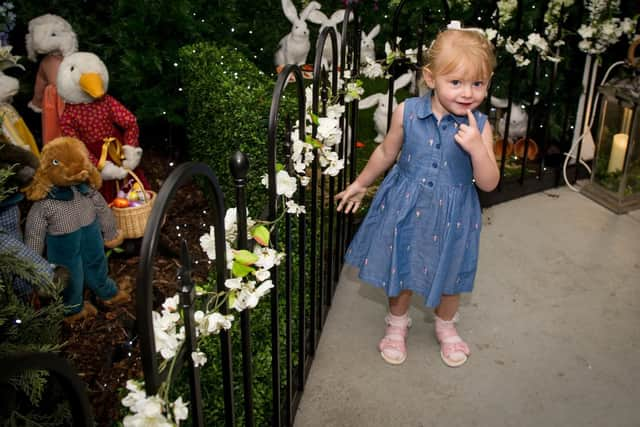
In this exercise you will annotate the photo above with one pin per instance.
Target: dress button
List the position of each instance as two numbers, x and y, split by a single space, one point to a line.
444 127
438 146
434 164
430 183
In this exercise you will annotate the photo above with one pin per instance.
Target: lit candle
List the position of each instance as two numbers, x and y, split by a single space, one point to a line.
618 149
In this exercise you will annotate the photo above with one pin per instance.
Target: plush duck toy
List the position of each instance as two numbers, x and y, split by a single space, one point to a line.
106 127
71 217
53 37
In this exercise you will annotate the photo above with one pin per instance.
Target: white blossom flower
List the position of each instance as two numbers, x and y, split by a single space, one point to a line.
199 358
262 274
490 33
136 394
329 131
171 304
285 184
372 69
249 296
212 323
353 91
335 111
180 411
304 180
294 208
233 283
140 420
267 257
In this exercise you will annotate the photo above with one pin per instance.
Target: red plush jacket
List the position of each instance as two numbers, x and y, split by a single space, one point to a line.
93 122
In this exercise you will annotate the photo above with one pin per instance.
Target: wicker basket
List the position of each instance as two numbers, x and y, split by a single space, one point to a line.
133 220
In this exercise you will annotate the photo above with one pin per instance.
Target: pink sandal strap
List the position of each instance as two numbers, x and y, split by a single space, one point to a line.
453 350
392 346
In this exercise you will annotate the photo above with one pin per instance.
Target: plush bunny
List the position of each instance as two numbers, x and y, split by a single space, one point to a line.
70 217
294 47
52 36
382 101
14 129
320 18
94 117
517 129
367 45
517 120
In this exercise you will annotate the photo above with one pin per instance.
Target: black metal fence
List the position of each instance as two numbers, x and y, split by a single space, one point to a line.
313 242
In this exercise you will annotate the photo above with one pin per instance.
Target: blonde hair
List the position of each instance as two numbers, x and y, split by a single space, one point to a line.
468 48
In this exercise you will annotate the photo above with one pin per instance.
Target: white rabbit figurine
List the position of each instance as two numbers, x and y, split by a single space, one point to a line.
382 100
367 45
294 47
320 18
517 120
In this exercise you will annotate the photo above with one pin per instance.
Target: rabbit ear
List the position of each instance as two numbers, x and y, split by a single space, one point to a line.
317 17
369 101
338 16
499 102
290 11
374 31
39 187
402 81
31 53
314 5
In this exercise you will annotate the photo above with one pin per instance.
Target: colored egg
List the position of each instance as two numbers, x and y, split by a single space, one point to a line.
121 194
120 202
134 204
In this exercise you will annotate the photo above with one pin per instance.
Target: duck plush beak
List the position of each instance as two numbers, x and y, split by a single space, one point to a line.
92 84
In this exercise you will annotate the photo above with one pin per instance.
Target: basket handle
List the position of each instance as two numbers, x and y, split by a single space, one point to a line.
135 177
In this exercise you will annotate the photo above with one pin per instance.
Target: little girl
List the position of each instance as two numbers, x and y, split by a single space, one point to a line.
421 233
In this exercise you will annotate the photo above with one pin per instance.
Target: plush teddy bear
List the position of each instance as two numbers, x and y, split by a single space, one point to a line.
71 217
99 120
53 37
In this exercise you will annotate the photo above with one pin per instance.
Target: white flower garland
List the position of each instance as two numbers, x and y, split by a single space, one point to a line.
603 28
250 271
250 281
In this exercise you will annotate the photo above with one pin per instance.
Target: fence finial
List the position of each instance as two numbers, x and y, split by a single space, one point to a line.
239 165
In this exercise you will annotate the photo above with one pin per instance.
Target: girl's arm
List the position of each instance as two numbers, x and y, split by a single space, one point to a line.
480 148
381 159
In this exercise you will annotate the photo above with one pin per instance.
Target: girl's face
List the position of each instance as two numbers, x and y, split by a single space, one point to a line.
455 92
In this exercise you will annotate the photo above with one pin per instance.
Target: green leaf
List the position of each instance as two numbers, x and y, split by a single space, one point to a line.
245 257
241 270
261 235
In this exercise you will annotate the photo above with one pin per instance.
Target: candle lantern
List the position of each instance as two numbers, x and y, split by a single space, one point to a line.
615 175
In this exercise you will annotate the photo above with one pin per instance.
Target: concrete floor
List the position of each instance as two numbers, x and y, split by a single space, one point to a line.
553 326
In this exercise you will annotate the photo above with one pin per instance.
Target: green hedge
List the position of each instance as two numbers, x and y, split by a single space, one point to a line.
228 101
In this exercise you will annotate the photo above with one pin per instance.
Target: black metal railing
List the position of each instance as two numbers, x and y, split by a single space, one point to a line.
313 243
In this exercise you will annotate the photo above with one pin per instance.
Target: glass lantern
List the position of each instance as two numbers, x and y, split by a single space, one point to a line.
615 175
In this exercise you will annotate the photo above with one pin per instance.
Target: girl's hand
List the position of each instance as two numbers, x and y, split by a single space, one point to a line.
468 136
351 198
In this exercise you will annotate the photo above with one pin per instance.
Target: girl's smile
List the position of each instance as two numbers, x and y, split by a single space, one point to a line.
455 92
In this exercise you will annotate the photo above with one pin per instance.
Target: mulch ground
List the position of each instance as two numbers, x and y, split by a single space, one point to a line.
105 350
